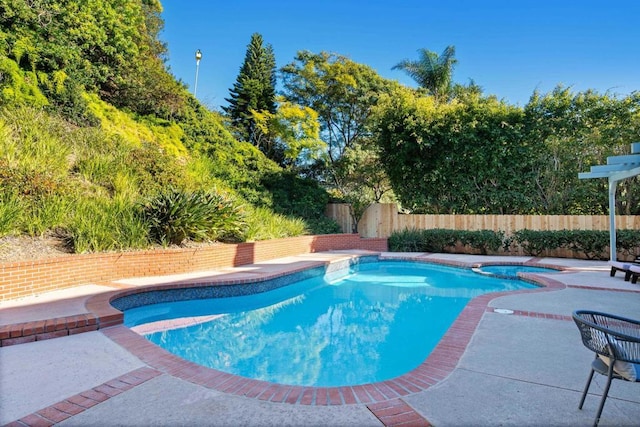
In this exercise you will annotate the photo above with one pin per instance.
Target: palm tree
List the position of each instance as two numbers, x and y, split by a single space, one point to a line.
431 71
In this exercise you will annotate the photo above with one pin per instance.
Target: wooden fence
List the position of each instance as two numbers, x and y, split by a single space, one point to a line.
380 220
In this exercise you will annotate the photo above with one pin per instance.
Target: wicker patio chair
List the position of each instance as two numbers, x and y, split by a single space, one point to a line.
616 342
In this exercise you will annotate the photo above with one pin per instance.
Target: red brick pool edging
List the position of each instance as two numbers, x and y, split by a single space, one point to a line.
98 317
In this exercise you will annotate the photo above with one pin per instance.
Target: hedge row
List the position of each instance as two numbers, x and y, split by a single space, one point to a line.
590 244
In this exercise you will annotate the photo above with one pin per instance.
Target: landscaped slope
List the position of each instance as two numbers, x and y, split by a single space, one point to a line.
93 128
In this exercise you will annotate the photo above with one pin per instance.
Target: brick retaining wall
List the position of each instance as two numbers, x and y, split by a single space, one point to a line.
27 278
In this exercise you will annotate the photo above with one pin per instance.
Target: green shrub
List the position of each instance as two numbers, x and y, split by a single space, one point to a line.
102 224
628 242
10 213
407 240
154 169
297 196
18 86
592 243
264 224
482 240
70 102
176 215
534 242
438 240
322 225
444 240
294 196
432 240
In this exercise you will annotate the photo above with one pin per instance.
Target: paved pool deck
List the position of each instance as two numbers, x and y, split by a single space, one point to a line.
526 368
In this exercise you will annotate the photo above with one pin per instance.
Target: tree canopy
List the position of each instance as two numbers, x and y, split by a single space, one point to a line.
253 91
431 71
577 130
343 93
63 48
480 155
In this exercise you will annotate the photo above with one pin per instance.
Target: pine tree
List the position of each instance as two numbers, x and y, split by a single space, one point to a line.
254 88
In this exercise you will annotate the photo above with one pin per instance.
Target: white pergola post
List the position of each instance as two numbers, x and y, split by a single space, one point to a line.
613 253
616 169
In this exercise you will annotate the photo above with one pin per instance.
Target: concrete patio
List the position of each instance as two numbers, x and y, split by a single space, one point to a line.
524 368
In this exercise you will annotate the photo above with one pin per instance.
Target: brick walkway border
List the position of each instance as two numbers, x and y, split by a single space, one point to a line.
79 403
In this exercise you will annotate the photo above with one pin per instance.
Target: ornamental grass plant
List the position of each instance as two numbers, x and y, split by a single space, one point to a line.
263 224
175 215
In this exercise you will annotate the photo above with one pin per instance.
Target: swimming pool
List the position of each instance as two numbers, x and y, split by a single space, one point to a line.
511 271
366 323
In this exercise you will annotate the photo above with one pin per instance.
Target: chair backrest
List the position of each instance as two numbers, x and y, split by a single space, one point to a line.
609 335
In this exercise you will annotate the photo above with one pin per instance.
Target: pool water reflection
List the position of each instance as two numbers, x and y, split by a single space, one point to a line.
378 321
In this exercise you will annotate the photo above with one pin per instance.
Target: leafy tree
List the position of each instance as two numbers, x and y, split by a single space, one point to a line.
254 90
109 48
460 157
340 90
300 197
431 71
575 131
145 86
343 94
479 155
291 136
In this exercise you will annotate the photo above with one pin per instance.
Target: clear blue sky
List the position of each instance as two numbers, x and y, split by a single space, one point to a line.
508 47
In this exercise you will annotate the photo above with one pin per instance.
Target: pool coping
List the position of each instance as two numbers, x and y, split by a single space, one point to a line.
435 368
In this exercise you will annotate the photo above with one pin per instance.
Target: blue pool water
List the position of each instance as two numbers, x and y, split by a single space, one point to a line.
513 270
376 322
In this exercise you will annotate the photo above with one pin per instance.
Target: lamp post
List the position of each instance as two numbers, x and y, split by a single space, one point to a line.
198 58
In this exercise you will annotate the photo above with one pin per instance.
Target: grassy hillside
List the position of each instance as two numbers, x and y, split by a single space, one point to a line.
109 154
